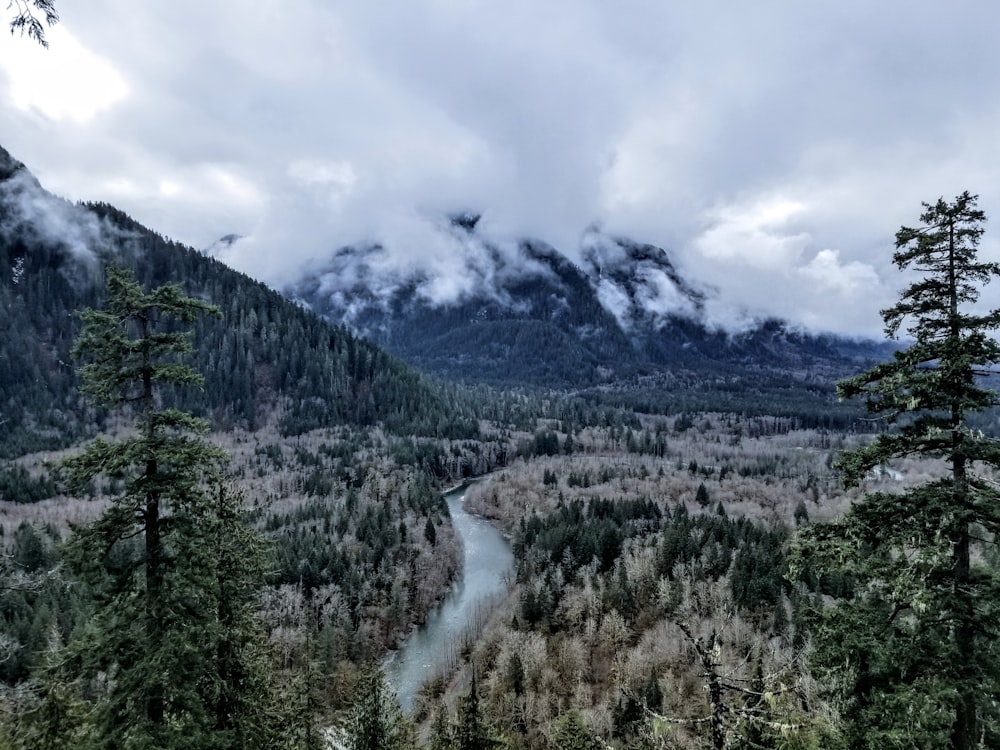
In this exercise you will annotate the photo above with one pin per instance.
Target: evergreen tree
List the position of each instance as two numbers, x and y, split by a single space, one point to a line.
912 653
701 496
471 734
653 695
441 734
570 732
430 533
376 722
514 676
171 568
241 698
801 513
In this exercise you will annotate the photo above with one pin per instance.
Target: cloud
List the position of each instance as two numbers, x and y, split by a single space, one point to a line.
747 140
616 301
66 82
28 209
756 235
846 279
311 173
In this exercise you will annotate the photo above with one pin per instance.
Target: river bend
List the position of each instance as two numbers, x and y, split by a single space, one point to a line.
487 562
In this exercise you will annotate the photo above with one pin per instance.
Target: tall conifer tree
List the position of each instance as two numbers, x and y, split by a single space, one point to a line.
376 722
171 565
913 651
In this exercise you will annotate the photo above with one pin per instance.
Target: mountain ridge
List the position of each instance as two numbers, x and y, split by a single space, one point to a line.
525 312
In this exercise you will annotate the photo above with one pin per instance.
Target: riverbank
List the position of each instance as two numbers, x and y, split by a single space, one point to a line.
436 646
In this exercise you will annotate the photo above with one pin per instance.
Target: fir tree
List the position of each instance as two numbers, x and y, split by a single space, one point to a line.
570 732
514 677
430 533
653 695
912 653
471 734
441 734
701 496
172 569
376 722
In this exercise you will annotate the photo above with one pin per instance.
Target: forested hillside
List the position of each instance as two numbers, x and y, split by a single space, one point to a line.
264 359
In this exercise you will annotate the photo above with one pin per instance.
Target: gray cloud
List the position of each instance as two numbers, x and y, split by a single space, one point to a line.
29 210
773 147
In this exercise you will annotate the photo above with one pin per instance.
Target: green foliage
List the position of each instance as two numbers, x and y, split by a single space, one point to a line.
376 722
379 581
430 533
52 714
570 732
18 486
441 736
514 674
911 651
470 731
37 604
653 695
167 560
261 353
706 546
701 496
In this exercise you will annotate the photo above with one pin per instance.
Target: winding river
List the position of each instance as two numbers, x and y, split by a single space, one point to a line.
487 562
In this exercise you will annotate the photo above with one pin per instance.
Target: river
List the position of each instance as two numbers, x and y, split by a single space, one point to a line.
487 563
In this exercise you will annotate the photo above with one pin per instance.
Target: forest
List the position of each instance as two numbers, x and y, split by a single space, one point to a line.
220 513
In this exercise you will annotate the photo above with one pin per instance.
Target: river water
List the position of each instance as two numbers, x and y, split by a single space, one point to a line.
487 563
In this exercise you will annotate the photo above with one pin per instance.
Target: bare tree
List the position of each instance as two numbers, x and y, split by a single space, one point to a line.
753 702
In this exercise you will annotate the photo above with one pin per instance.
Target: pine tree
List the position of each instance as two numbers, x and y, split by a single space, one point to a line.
701 496
376 722
570 732
470 733
912 653
430 533
172 569
440 734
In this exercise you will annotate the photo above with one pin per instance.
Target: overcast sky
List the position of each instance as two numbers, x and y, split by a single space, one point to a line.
773 147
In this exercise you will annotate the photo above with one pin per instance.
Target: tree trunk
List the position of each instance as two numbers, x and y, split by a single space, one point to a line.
154 544
965 729
154 595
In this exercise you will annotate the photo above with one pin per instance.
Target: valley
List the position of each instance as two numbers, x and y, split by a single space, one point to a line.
660 505
355 567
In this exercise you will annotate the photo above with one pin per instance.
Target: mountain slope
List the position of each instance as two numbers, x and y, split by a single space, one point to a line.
265 359
524 313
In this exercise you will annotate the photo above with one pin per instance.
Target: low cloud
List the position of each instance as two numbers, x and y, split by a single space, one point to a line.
31 212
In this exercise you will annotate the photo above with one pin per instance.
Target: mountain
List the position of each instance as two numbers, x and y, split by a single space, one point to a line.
524 312
265 359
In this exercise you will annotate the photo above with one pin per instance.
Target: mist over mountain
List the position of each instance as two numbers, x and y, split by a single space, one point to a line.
470 308
527 312
265 360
